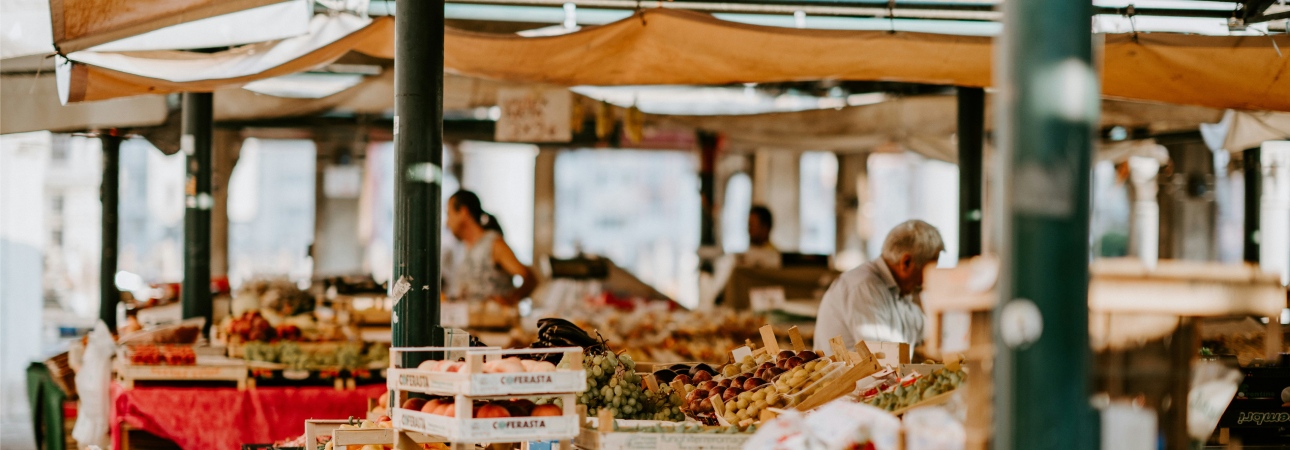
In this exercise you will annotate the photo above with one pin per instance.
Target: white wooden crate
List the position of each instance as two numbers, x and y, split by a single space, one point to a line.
473 382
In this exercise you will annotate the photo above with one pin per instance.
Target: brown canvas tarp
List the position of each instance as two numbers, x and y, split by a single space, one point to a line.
681 47
81 24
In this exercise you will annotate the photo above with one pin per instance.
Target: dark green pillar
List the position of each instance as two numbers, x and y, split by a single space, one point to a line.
1253 199
418 144
1048 110
971 134
708 143
109 195
195 142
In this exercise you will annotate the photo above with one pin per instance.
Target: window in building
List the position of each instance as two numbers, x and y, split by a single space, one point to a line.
638 208
272 193
378 200
904 186
734 213
818 210
502 176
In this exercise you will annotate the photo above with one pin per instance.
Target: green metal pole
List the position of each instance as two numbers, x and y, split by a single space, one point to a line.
195 142
971 134
418 143
1253 202
1048 110
109 194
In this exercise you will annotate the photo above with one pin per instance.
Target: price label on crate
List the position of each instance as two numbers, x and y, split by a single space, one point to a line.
455 314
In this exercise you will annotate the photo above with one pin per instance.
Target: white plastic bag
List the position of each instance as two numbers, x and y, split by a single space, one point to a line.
784 433
933 428
92 384
842 424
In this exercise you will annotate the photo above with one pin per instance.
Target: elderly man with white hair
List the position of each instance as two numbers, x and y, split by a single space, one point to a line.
878 300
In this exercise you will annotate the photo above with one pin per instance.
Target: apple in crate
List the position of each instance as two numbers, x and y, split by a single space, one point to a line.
414 404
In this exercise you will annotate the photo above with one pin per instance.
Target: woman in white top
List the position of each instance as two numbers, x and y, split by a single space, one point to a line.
487 267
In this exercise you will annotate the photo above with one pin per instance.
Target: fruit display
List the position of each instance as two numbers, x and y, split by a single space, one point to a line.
614 385
683 372
661 334
913 389
348 355
251 326
173 355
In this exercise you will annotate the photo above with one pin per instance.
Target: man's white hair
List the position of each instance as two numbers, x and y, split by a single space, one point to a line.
917 238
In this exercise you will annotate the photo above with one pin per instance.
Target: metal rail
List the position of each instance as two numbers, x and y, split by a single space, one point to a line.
968 10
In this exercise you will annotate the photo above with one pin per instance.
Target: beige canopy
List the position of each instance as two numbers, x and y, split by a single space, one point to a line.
81 24
661 46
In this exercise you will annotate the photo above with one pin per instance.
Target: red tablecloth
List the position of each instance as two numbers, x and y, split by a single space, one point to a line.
225 418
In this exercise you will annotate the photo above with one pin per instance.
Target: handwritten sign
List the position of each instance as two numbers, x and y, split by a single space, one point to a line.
533 115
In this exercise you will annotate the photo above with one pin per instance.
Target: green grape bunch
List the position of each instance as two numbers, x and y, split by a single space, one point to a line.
614 385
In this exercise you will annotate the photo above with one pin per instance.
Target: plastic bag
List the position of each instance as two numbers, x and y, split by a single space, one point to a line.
933 428
842 424
785 432
92 384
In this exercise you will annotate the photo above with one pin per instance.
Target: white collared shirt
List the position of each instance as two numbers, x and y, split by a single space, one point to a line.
864 304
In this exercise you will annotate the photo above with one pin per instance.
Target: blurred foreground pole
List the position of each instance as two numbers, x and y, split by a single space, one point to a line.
418 168
109 194
971 134
1048 108
195 143
1253 202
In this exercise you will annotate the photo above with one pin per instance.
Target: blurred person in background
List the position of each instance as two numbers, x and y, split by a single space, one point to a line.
486 266
761 253
878 301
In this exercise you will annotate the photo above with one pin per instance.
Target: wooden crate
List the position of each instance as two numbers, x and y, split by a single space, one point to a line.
473 382
464 428
223 370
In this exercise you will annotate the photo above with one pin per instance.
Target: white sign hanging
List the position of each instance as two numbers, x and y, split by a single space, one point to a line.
533 115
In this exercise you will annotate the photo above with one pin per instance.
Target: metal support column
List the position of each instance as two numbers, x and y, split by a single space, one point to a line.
418 143
1253 202
109 194
195 143
708 143
1048 110
971 134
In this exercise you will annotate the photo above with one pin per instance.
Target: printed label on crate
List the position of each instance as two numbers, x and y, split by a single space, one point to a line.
420 382
423 423
541 382
522 426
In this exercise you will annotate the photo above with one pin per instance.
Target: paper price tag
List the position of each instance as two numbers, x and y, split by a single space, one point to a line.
766 298
455 315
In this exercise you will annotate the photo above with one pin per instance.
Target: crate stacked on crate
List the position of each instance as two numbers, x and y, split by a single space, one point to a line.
492 396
